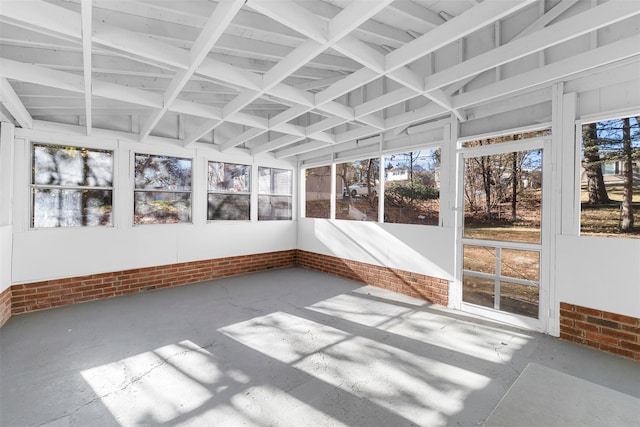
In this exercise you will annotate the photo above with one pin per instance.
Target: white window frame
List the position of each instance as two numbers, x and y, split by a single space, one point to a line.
577 175
33 186
248 193
272 194
134 153
383 181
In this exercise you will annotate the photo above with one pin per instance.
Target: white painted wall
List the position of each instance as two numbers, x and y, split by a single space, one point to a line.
6 237
43 254
6 203
599 272
48 254
417 248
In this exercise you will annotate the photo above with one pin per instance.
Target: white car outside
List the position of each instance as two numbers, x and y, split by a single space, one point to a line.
360 190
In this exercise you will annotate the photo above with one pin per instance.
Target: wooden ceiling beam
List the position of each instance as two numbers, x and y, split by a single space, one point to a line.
590 20
222 15
477 17
85 7
293 16
14 105
352 16
40 14
598 57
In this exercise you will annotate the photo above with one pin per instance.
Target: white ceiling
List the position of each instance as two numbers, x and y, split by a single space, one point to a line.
292 77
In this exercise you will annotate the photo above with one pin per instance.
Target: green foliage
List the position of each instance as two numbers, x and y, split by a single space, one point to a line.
406 194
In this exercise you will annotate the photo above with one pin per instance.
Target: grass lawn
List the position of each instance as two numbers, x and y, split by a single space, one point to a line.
604 220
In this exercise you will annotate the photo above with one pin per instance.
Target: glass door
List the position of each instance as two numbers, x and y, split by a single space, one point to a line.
501 242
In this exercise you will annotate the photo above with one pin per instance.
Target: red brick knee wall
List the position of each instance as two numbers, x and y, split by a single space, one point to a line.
405 282
5 305
610 332
24 298
56 293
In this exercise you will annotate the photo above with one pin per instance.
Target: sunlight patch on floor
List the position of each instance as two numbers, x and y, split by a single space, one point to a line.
417 388
156 386
424 326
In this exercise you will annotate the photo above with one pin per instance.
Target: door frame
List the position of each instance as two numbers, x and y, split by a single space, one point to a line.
542 323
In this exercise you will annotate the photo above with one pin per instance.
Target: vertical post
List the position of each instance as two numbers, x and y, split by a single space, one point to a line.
198 188
455 214
334 190
570 166
496 280
6 172
446 216
6 202
381 187
302 192
255 187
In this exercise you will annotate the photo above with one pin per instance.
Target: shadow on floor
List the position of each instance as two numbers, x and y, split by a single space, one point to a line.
285 347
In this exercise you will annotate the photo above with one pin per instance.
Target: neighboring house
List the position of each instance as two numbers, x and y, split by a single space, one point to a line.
318 184
397 174
612 172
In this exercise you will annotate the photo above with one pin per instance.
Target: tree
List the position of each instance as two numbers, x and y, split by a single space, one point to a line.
341 171
592 164
372 174
618 146
487 180
515 178
626 212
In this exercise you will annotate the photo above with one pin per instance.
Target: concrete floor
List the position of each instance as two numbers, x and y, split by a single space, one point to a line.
285 347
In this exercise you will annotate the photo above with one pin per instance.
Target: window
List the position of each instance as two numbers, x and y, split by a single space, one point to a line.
274 199
507 138
318 192
359 181
412 187
71 186
229 191
609 179
162 190
503 196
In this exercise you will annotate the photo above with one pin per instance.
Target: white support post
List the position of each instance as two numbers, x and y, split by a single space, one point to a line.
447 179
6 203
570 167
560 197
381 185
6 173
334 190
255 187
302 192
456 203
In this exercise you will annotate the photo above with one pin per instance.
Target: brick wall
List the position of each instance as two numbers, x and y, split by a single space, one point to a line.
405 282
5 305
56 293
27 297
610 332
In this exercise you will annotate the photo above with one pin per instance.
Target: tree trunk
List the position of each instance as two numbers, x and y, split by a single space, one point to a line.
593 166
626 215
411 168
486 182
343 176
369 167
514 187
85 181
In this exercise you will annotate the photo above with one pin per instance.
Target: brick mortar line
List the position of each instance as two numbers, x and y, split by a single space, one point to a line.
610 332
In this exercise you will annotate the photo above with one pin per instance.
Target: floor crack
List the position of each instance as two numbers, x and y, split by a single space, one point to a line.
506 362
133 380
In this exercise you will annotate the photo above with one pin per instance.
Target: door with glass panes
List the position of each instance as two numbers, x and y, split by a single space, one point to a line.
501 244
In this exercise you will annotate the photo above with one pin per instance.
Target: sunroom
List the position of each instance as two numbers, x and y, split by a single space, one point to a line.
403 166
